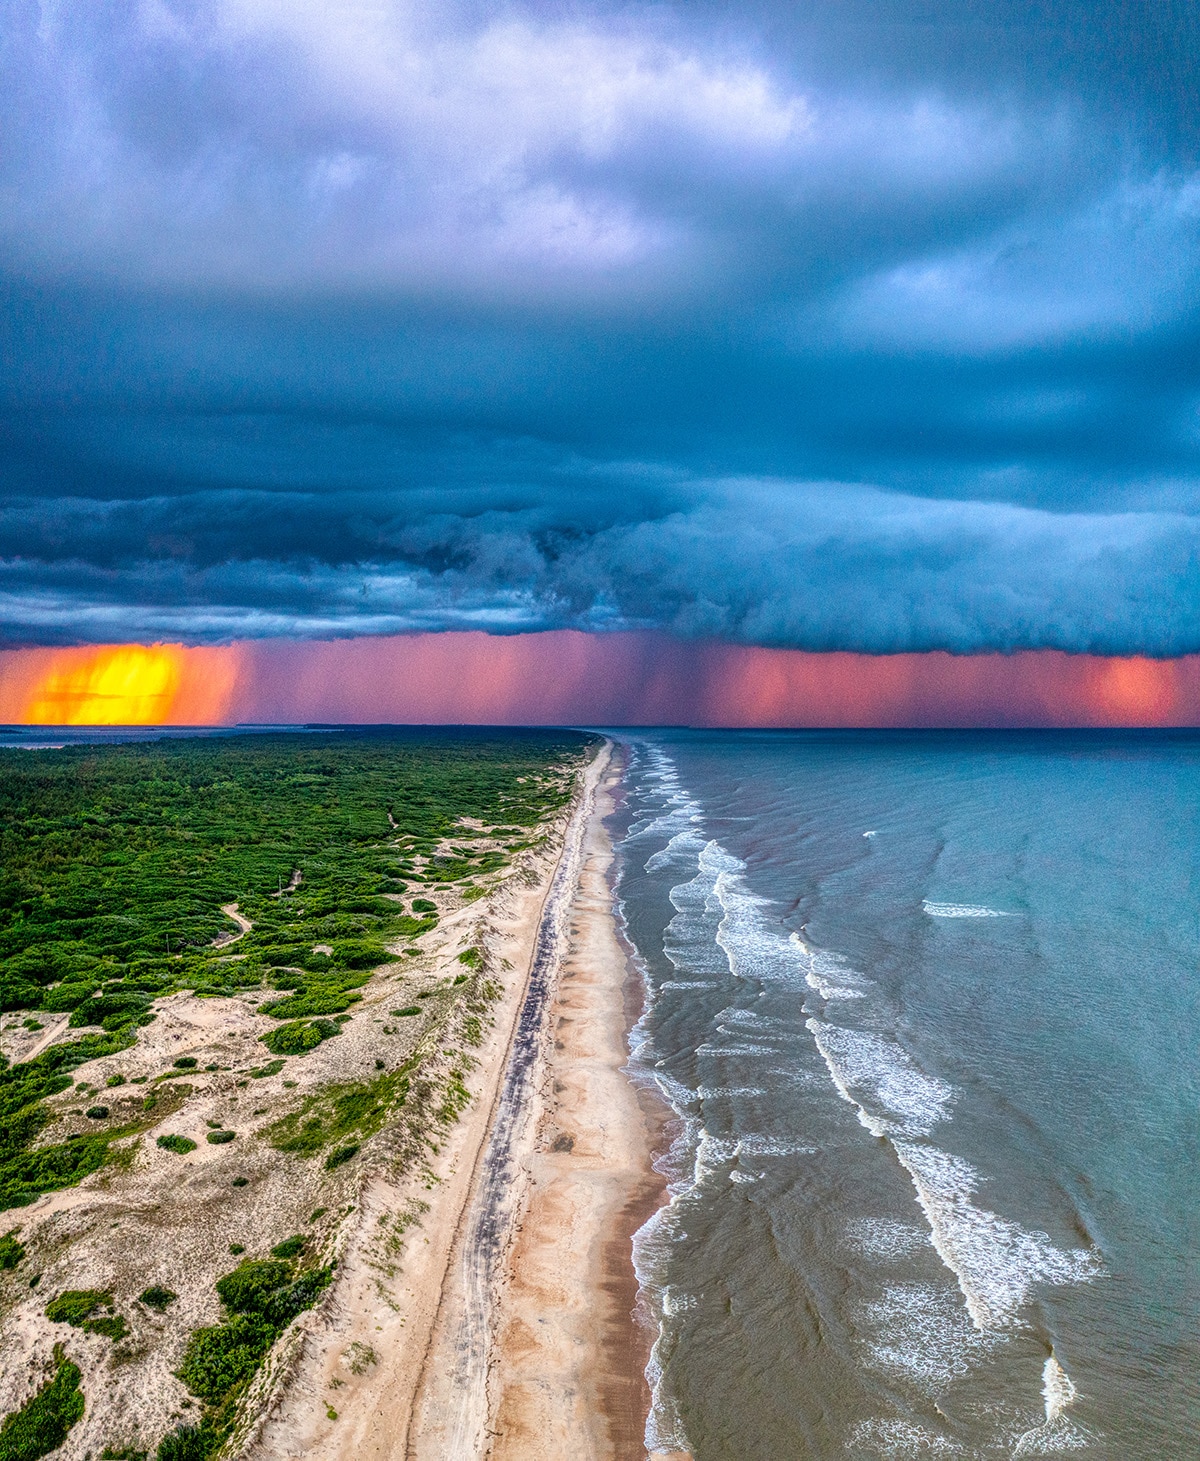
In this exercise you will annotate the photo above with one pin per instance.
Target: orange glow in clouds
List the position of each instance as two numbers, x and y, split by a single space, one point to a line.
124 684
565 677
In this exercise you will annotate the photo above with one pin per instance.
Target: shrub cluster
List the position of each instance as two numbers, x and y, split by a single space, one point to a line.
42 1423
180 1144
78 1307
261 1298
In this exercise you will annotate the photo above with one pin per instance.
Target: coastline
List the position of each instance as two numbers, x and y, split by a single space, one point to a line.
569 1361
356 1379
506 1326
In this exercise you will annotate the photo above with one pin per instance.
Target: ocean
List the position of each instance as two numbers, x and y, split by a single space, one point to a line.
926 1009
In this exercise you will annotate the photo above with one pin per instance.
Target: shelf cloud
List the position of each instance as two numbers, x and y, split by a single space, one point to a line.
734 323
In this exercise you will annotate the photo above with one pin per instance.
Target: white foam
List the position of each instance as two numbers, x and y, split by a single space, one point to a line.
770 1146
1058 1390
922 1333
709 1093
688 984
997 1262
742 1050
737 1175
830 975
687 844
871 834
962 910
899 1440
892 1097
886 1239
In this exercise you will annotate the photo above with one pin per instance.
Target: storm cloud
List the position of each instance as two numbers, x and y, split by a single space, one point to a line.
867 327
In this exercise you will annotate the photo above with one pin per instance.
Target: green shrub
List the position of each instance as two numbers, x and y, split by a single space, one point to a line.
342 1154
332 1115
75 1305
290 1247
180 1144
409 1009
112 1326
42 1423
313 999
424 905
185 1062
473 958
224 1356
273 1067
220 1138
12 1250
115 1080
262 1300
187 1443
157 1297
300 1037
240 1181
97 1113
246 1289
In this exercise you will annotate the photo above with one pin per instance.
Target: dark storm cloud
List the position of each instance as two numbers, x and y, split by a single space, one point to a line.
867 327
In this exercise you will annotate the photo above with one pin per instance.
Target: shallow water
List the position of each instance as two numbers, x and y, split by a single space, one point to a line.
926 1007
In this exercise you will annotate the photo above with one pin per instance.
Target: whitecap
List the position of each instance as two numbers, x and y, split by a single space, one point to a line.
962 910
997 1262
891 1095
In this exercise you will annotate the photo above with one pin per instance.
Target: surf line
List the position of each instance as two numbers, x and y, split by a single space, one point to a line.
996 1262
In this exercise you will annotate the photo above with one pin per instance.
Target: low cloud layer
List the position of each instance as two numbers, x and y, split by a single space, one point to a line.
877 332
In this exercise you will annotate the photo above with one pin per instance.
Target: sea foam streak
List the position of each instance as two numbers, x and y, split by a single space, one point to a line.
961 910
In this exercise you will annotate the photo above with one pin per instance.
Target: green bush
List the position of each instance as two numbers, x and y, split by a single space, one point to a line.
112 1326
473 958
42 1423
312 999
157 1297
12 1250
424 905
180 1144
409 1009
247 1288
75 1305
342 1154
262 1300
300 1037
224 1356
272 1067
290 1247
185 1062
115 1080
220 1138
97 1113
187 1443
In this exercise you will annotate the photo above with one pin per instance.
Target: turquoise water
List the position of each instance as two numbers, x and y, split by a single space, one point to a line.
927 1009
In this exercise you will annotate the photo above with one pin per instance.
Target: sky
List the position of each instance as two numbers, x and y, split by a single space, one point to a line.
865 327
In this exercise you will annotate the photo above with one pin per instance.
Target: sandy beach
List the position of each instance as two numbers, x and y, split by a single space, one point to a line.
568 1372
547 1325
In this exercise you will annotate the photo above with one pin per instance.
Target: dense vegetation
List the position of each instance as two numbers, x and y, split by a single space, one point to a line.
42 1423
115 862
261 1298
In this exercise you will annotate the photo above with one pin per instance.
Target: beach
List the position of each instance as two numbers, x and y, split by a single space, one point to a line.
505 1326
540 1293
